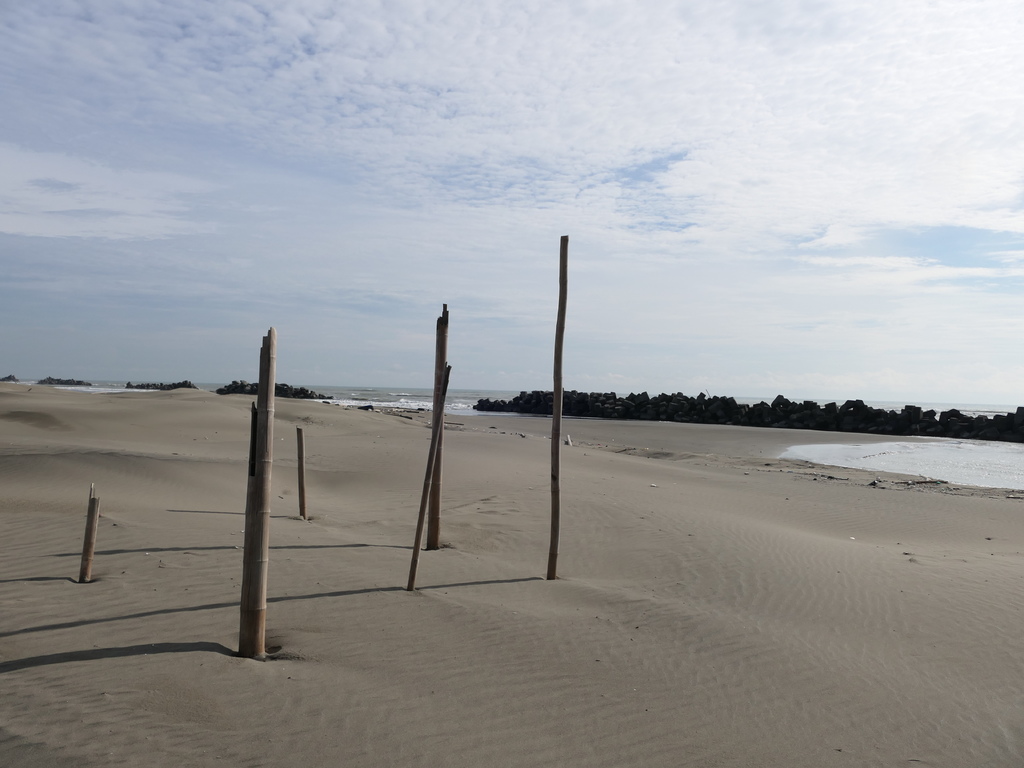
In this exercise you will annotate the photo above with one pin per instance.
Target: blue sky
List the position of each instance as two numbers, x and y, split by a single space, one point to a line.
809 198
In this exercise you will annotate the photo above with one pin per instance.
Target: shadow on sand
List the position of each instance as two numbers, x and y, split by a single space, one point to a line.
234 604
93 654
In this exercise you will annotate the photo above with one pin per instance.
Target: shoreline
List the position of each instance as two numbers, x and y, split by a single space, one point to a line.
366 394
935 458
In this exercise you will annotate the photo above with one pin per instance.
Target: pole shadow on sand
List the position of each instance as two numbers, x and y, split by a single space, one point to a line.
218 548
234 604
94 654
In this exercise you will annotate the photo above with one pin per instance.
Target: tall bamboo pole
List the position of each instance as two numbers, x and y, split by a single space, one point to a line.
556 409
89 545
440 361
300 446
253 607
435 432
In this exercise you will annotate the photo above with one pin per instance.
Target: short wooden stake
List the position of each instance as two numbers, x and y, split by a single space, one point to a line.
253 605
440 361
556 409
300 445
89 545
436 429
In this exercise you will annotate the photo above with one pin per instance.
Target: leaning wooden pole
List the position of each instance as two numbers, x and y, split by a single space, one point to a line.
556 409
440 361
435 432
253 608
89 545
300 447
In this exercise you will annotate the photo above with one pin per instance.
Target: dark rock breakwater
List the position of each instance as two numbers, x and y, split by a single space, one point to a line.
163 387
851 416
280 390
54 382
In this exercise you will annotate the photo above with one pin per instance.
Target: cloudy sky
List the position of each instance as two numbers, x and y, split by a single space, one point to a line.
820 199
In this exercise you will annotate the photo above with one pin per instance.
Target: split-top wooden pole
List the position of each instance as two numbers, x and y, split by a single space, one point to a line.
89 544
436 429
253 608
556 409
440 363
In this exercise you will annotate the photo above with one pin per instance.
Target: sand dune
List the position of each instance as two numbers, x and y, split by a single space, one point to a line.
717 606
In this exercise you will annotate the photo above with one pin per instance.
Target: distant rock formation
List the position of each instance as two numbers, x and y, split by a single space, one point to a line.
12 379
851 416
163 387
280 390
64 382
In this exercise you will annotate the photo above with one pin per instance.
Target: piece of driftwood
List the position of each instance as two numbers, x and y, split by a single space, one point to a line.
556 409
253 606
440 362
435 432
300 448
89 545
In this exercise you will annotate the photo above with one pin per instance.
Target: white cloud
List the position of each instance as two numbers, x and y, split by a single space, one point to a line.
795 117
48 194
727 171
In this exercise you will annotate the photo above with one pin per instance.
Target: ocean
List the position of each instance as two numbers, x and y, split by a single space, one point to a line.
972 462
459 401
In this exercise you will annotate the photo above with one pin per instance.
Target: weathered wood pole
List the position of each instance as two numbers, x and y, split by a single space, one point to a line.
253 607
436 429
89 545
556 409
440 361
300 446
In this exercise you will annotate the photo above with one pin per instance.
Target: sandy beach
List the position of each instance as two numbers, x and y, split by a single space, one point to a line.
716 606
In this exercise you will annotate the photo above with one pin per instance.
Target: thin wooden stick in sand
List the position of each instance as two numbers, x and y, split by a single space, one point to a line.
435 431
440 361
300 446
253 606
556 409
89 545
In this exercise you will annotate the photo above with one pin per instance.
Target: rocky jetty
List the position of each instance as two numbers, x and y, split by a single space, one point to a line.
12 379
64 382
851 416
163 387
280 390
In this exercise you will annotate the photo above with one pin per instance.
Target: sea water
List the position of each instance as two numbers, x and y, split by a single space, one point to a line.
972 462
458 401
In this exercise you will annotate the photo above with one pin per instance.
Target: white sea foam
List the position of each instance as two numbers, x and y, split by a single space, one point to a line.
972 462
457 401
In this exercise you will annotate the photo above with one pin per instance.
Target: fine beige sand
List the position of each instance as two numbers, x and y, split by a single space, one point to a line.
716 606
